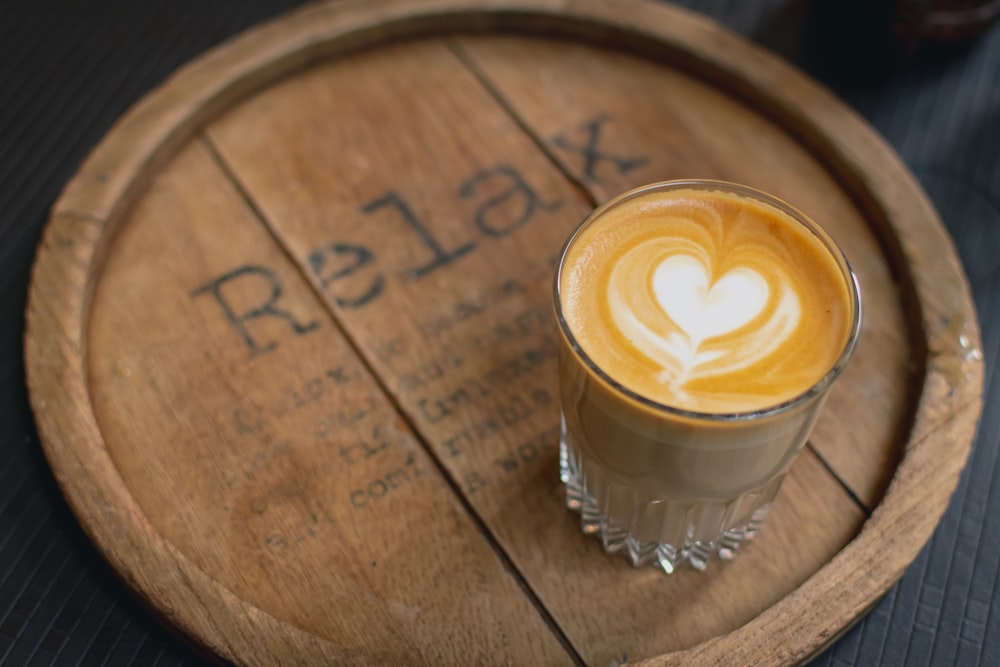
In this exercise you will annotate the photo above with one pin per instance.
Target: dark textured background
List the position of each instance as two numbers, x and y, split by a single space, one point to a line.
69 68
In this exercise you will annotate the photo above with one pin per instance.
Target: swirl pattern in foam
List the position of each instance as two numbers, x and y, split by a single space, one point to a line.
705 300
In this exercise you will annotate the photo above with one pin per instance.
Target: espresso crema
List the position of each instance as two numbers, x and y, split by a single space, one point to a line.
705 300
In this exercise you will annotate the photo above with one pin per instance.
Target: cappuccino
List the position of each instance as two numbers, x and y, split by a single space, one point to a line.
702 326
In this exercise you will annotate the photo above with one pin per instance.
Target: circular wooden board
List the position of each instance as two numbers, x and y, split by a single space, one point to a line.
290 344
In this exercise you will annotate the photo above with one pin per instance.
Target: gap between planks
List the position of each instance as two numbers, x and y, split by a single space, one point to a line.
453 484
491 89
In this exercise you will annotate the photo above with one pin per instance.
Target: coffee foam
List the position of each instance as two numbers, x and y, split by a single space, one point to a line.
705 300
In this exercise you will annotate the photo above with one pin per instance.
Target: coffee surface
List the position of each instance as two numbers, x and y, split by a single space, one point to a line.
705 300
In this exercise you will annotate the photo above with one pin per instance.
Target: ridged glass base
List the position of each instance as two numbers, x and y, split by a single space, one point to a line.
658 531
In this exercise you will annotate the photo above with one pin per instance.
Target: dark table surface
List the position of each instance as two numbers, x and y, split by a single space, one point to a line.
68 69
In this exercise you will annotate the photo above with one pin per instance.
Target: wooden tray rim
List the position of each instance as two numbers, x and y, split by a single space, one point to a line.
98 199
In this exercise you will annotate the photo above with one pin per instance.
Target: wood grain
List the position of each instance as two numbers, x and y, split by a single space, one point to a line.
290 347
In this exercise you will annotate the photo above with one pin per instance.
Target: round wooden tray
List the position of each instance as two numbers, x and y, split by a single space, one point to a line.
290 344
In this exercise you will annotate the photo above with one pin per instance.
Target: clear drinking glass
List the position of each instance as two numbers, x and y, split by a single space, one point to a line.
664 485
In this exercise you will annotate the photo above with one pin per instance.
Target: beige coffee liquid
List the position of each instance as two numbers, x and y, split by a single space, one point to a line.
706 301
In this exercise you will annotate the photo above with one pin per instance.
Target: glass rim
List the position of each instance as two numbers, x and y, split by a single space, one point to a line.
818 388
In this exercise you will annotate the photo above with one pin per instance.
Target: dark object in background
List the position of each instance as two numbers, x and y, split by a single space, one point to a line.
861 40
954 20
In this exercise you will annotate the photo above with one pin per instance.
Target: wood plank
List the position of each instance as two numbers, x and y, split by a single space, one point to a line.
615 121
339 168
258 444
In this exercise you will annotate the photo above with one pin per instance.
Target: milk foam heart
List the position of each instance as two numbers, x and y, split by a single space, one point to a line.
703 310
688 325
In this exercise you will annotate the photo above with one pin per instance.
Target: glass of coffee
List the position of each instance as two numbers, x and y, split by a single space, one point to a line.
702 325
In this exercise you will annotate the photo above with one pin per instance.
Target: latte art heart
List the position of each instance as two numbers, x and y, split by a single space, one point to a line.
697 326
703 310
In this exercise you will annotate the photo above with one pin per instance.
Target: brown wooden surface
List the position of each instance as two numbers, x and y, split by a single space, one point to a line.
290 340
